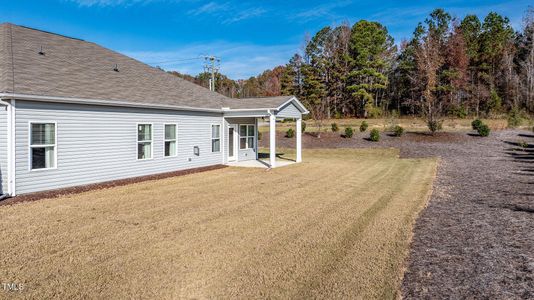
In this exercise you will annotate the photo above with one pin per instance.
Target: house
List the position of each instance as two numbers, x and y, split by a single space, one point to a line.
74 113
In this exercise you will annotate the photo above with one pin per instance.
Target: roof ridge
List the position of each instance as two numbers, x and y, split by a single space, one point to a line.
44 31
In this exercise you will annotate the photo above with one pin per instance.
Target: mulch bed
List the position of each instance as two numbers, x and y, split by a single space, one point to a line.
476 237
361 139
108 184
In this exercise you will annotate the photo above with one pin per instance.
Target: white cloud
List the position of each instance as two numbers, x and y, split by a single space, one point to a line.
227 13
323 10
246 14
209 8
238 61
90 3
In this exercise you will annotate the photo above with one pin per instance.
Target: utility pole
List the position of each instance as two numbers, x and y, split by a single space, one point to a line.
211 65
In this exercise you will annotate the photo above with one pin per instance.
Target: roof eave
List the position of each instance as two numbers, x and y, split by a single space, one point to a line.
100 102
72 100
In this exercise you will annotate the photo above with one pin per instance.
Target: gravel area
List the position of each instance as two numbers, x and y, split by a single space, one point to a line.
476 237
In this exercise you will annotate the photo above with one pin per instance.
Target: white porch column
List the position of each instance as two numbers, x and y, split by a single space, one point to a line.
299 139
272 140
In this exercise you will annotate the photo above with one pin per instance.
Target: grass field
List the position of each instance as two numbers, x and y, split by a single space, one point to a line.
336 226
411 124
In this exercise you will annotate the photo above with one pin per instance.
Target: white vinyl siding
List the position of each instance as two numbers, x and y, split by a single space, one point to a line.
289 111
98 143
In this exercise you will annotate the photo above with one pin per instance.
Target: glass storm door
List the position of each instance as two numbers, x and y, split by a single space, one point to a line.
232 138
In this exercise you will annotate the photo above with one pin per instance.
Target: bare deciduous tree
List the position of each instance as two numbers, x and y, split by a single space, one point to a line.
429 61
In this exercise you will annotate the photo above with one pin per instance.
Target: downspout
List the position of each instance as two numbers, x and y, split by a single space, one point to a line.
11 172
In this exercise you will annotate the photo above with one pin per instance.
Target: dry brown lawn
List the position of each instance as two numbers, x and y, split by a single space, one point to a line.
336 226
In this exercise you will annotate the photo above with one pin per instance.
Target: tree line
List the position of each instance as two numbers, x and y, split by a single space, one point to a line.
449 67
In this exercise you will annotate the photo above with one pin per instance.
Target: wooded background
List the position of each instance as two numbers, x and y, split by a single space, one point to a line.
449 67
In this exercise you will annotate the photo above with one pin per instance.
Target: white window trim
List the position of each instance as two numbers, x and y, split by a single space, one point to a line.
247 146
30 146
175 140
212 138
137 141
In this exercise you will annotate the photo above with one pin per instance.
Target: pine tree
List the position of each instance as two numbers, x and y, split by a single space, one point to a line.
371 49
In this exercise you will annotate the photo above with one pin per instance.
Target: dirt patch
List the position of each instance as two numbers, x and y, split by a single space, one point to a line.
108 184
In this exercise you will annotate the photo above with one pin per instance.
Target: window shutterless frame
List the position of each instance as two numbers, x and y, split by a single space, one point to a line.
248 144
30 146
175 140
137 140
219 138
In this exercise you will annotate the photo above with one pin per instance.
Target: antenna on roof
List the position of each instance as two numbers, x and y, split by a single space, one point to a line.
41 52
116 68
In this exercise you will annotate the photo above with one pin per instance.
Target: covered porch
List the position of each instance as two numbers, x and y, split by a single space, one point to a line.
241 132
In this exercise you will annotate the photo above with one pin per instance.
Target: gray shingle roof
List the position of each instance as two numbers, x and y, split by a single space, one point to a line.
75 68
251 103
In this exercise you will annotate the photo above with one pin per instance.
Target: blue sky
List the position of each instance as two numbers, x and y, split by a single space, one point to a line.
249 36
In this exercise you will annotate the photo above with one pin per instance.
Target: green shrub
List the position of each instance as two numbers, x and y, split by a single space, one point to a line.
372 111
459 111
514 118
337 115
483 130
434 126
303 127
290 133
364 126
335 128
374 135
398 130
349 132
476 124
495 103
522 144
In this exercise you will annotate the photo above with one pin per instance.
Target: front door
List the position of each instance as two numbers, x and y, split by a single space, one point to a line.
232 143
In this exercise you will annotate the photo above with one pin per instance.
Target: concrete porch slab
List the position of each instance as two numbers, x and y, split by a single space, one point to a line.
260 163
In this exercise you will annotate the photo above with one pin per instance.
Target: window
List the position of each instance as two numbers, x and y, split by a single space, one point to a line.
215 138
246 136
170 140
144 141
43 145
